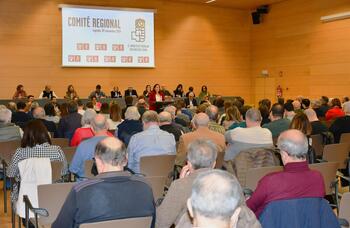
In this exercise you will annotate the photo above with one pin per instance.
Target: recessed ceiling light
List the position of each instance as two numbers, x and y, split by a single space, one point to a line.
210 1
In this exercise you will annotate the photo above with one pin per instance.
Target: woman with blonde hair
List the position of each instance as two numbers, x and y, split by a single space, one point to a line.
232 116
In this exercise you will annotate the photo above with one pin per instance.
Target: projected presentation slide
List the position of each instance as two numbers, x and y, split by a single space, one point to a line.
107 38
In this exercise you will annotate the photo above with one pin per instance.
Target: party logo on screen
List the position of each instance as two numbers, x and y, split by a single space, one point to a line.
139 35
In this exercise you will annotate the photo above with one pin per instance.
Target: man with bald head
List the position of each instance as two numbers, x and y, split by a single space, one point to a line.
85 150
165 123
342 124
295 181
113 194
39 113
317 126
254 136
200 123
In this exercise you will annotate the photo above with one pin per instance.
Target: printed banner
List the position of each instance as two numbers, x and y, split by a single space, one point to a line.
107 38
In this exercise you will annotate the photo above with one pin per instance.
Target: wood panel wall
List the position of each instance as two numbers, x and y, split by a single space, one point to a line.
194 45
302 54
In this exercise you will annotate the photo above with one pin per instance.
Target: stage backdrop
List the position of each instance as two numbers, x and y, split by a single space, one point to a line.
107 37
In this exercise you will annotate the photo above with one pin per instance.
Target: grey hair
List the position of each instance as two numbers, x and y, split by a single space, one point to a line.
150 116
165 117
115 154
171 109
39 113
215 194
5 115
34 104
132 113
212 111
296 148
253 114
99 124
202 153
201 119
88 116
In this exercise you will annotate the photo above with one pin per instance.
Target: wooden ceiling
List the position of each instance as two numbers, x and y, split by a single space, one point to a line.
237 4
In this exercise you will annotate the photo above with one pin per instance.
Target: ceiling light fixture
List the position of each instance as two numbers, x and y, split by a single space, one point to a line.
210 1
336 17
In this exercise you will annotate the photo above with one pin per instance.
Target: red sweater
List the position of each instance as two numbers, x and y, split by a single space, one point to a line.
334 112
83 133
296 181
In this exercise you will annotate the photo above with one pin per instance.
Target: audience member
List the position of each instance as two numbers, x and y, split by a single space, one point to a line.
289 111
155 96
20 117
68 124
47 93
219 102
335 111
63 109
130 126
201 156
265 113
85 131
342 124
179 91
324 106
86 148
113 194
39 113
130 92
151 141
315 105
51 113
115 93
36 143
115 116
183 128
128 103
165 91
278 124
20 93
301 122
12 106
215 206
80 107
297 106
165 124
232 116
8 130
317 126
296 181
70 93
200 124
305 103
253 136
213 114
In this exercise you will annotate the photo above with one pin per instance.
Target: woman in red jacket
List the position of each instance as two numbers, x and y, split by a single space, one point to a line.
335 111
155 96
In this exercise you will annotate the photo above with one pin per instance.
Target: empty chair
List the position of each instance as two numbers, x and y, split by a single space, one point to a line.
344 208
62 142
317 144
336 153
345 138
157 185
56 167
255 174
51 197
7 149
160 165
142 222
329 173
69 153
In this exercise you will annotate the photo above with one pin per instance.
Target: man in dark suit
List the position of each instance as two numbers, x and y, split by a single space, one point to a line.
39 113
130 92
68 124
191 100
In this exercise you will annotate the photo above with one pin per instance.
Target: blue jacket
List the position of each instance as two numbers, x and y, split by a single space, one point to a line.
299 213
